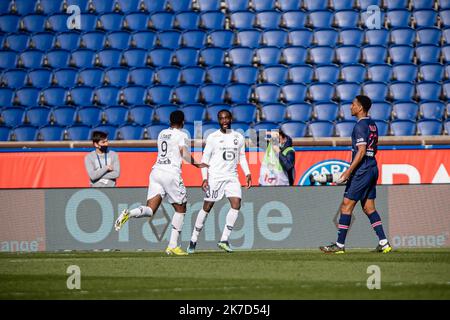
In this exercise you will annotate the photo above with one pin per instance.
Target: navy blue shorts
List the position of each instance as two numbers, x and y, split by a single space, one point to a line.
362 185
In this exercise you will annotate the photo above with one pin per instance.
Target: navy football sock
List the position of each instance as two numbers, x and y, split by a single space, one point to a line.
344 223
375 221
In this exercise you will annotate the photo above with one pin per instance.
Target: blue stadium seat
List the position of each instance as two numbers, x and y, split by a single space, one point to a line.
347 91
7 59
431 110
242 19
49 7
194 112
327 73
130 132
91 77
58 22
294 129
248 38
377 37
115 77
109 58
82 58
445 17
212 20
428 35
345 111
9 23
320 91
54 96
24 7
293 92
136 21
143 39
239 56
184 57
380 111
90 116
83 4
163 112
4 133
57 59
404 72
326 37
327 111
351 36
221 38
286 5
116 115
135 58
107 95
299 111
41 41
141 76
167 75
27 96
238 93
401 53
346 18
127 6
108 129
78 132
159 94
209 5
274 112
38 116
447 126
102 6
178 5
213 109
67 40
401 90
353 73
31 59
211 56
294 55
364 4
383 127
321 129
186 20
267 93
374 54
293 19
141 114
245 74
277 74
12 116
64 115
192 75
434 56
185 94
320 19
121 39
154 130
269 19
428 90
264 126
375 90
321 54
193 38
24 133
429 127
218 74
169 39
160 57
161 20
403 127
431 72
422 4
301 37
64 77
154 5
244 113
446 35
82 96
236 5
134 95
425 18
6 97
403 35
299 73
405 111
13 78
314 5
16 41
396 4
33 23
88 21
381 72
51 133
344 128
398 18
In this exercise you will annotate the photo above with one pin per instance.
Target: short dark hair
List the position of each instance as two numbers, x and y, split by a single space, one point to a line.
365 102
281 132
224 110
177 117
97 136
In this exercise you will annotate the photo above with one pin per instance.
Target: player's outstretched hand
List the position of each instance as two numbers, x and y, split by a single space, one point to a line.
344 177
205 185
201 165
249 182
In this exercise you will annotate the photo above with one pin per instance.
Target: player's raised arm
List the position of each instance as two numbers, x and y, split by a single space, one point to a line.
244 165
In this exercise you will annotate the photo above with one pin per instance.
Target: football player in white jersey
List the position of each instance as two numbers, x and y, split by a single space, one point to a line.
224 149
165 179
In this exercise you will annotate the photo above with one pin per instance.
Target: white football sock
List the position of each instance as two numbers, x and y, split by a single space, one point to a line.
177 224
140 212
229 223
199 222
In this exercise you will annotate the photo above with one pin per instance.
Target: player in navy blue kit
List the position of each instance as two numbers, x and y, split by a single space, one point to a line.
361 177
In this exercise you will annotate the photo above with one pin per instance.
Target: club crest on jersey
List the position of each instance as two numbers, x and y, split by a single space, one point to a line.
236 142
327 166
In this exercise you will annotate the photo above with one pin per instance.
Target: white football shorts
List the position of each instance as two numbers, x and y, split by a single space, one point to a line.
231 188
164 183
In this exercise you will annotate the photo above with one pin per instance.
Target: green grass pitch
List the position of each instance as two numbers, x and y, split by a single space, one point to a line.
259 274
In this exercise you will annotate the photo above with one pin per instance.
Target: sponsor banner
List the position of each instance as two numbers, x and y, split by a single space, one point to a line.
66 169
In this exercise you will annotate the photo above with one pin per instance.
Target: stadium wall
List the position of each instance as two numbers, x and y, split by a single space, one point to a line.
271 217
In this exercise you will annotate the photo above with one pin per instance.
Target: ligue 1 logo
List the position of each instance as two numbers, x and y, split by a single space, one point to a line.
323 167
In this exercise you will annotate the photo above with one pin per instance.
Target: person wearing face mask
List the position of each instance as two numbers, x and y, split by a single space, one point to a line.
102 165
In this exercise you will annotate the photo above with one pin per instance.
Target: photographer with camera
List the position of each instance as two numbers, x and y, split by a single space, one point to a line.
277 167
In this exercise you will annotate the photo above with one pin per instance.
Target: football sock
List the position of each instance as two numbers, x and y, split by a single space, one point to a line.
201 217
344 223
375 221
229 223
141 211
177 223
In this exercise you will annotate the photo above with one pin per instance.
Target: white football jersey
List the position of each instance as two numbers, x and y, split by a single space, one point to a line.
169 156
223 152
